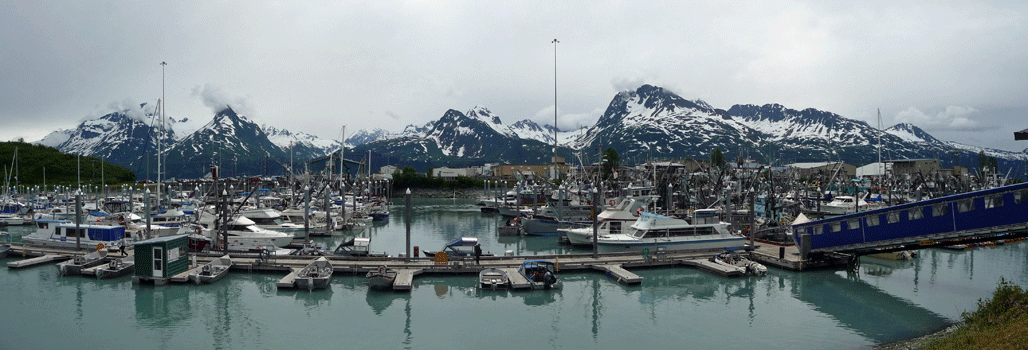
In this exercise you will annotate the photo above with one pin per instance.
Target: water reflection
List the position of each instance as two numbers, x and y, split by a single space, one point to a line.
380 300
162 307
863 308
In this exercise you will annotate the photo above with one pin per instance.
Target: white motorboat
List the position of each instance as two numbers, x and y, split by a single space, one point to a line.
272 219
493 278
115 268
212 271
612 220
842 205
734 260
78 263
243 234
652 231
315 275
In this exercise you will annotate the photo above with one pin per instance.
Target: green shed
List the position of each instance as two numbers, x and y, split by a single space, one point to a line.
160 258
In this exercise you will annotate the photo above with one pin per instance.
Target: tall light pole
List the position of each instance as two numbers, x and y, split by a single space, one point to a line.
556 173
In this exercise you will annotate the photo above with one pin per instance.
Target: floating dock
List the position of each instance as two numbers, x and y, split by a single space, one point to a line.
615 265
618 273
289 281
45 259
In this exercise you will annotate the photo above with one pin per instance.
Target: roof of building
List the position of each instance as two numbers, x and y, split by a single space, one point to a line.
811 165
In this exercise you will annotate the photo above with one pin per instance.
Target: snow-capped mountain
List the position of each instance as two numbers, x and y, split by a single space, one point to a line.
121 137
909 132
230 140
303 142
56 138
642 124
364 136
652 122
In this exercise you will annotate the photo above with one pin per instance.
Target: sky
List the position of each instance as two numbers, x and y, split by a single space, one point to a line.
955 69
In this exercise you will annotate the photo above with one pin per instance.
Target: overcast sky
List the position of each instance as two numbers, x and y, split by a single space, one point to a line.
956 69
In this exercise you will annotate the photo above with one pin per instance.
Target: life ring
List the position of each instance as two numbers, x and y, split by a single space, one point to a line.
611 202
121 219
381 270
198 230
100 246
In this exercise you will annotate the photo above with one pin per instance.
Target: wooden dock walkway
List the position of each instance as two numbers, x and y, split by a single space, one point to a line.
616 265
619 273
45 259
517 281
405 278
289 281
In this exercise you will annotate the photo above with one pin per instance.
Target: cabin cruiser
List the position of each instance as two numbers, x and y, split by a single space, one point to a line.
651 232
842 205
243 234
63 233
271 219
612 220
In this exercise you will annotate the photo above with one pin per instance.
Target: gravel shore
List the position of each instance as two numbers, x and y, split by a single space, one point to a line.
919 342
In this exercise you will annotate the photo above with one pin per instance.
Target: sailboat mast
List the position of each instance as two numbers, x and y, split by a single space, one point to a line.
556 174
160 136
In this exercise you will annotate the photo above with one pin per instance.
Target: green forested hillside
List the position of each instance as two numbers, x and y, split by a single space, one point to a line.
59 168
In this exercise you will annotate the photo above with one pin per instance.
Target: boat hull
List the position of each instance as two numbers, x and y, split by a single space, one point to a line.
651 245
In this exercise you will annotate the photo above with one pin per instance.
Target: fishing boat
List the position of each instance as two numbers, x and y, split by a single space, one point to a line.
315 275
76 264
63 233
381 278
357 246
461 247
493 278
511 228
212 271
115 268
732 259
652 231
540 274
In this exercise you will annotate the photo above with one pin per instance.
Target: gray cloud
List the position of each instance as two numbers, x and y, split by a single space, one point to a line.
315 66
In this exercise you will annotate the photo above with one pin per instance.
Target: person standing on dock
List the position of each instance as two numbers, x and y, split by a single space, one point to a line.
478 253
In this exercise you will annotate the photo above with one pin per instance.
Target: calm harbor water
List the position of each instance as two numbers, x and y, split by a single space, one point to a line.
673 307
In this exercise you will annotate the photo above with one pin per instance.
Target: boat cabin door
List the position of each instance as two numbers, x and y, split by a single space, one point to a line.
158 262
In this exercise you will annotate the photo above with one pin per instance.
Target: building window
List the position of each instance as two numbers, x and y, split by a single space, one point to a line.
965 205
915 213
872 220
994 201
893 217
940 209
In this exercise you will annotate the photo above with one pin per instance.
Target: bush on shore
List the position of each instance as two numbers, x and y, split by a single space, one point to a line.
998 323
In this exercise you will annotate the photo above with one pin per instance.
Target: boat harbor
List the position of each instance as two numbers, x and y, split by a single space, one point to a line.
614 265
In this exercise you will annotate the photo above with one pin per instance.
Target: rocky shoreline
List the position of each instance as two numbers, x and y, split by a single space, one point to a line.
920 342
